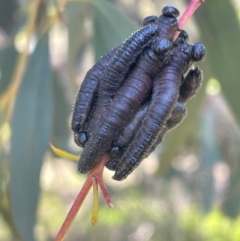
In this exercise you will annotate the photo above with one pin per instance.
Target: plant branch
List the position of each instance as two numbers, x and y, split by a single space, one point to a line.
190 10
94 177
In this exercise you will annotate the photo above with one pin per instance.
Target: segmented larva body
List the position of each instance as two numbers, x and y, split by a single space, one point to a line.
125 137
85 104
164 97
86 98
120 109
188 89
118 67
128 52
191 84
126 101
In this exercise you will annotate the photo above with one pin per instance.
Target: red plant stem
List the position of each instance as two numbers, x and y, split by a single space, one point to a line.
97 173
105 193
95 201
74 210
190 10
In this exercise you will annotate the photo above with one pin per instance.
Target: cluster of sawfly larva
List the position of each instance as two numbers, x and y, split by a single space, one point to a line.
136 93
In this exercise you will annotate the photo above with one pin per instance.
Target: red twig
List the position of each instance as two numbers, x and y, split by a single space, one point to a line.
97 174
190 10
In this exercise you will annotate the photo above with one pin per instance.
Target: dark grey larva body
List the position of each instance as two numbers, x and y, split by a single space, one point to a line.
118 67
164 97
118 100
90 93
85 99
85 105
189 87
126 55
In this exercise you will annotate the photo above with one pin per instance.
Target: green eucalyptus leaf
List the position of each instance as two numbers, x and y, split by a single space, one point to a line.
231 204
31 127
220 32
1 172
76 13
209 154
62 111
111 26
8 59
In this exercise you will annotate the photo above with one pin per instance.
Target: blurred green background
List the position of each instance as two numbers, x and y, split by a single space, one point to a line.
187 190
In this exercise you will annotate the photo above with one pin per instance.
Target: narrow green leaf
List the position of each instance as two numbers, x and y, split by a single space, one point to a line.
209 155
76 13
8 59
111 26
231 204
31 128
62 111
220 32
1 172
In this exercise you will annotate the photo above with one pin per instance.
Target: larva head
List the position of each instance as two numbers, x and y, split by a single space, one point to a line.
80 138
114 152
162 45
168 24
149 19
184 54
169 11
198 52
112 163
182 38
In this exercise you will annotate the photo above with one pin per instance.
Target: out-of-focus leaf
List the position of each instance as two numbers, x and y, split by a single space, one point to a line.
7 9
110 26
220 32
62 111
231 204
31 127
209 155
8 59
1 172
77 37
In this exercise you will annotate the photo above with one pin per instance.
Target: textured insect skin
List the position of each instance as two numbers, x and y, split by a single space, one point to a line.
119 66
188 89
164 97
84 107
85 99
129 97
126 56
125 137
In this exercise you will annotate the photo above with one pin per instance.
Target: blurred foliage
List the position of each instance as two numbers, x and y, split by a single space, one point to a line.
188 190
